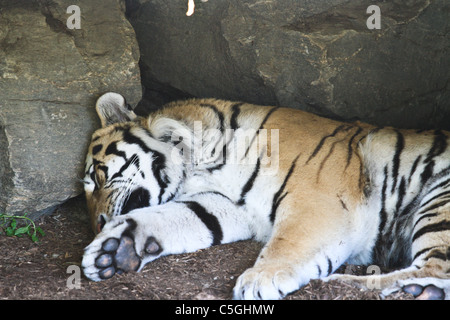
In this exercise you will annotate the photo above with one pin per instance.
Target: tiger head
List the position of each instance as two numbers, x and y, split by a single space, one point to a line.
127 167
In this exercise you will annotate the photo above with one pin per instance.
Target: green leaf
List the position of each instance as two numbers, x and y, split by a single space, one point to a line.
8 224
21 231
9 231
34 237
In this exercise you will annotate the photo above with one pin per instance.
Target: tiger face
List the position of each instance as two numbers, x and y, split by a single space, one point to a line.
126 167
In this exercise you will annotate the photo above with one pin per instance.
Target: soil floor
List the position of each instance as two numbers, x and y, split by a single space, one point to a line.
47 270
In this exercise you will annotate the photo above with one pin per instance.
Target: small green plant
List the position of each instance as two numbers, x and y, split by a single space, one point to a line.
10 225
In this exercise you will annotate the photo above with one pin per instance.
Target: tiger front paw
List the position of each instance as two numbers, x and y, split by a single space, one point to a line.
118 249
265 284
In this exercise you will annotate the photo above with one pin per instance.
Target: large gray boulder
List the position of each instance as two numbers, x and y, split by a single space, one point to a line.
50 77
318 56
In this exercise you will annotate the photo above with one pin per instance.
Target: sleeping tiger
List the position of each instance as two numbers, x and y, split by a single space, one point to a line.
317 192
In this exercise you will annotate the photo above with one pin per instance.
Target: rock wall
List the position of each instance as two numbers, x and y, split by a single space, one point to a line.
318 56
50 77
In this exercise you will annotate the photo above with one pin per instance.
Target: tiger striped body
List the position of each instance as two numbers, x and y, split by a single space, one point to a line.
317 192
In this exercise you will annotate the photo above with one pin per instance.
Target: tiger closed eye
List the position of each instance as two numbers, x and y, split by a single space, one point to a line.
101 223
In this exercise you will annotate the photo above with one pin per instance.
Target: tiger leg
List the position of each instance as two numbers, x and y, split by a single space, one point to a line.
306 244
128 242
423 282
430 250
428 276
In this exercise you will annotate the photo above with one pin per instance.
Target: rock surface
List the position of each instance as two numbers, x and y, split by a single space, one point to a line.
50 77
318 56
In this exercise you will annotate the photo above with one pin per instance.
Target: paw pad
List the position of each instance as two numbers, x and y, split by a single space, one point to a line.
119 256
430 292
152 246
126 258
110 245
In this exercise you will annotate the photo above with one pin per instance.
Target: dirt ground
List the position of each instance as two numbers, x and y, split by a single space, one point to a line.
47 270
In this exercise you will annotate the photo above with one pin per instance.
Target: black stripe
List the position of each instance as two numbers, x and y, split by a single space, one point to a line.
218 114
383 213
97 149
261 126
401 192
435 197
234 116
438 147
277 198
330 266
130 138
133 159
92 175
436 227
427 172
428 215
419 253
112 149
129 231
437 255
223 157
396 160
434 206
383 217
233 125
412 206
344 206
414 167
210 221
267 117
322 141
440 185
96 138
158 165
249 184
330 152
213 192
216 167
139 198
350 147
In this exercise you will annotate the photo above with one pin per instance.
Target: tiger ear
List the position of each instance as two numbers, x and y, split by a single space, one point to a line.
112 108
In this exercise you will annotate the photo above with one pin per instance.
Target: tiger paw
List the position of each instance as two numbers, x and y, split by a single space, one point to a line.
429 292
422 288
265 284
118 249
